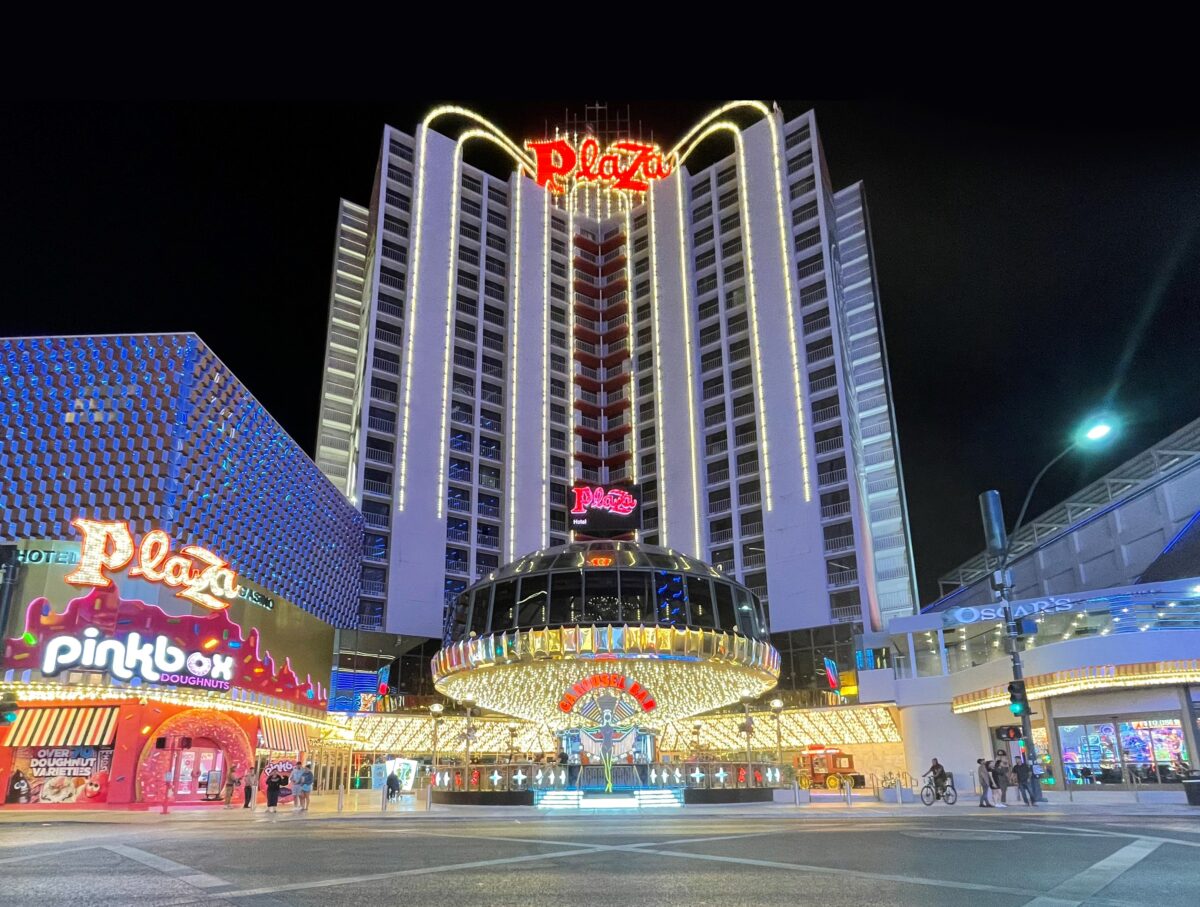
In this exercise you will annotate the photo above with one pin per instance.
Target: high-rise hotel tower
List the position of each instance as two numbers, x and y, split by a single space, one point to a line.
609 311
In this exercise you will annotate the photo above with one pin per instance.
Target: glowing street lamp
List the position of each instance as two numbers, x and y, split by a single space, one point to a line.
436 709
748 728
777 708
1100 428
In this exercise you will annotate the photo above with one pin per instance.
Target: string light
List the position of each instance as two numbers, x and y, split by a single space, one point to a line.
1078 680
684 283
660 428
525 673
513 497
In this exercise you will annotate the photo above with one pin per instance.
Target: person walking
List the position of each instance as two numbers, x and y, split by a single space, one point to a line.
1025 782
249 783
296 782
994 778
231 783
984 775
1003 772
393 786
275 781
306 785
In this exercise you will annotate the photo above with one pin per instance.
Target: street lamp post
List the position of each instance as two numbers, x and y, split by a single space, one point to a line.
469 703
1096 430
748 727
777 708
436 710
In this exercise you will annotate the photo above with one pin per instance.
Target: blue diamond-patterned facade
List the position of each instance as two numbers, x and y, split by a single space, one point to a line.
154 429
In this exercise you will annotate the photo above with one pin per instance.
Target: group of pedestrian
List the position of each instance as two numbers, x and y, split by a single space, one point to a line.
997 775
248 781
301 780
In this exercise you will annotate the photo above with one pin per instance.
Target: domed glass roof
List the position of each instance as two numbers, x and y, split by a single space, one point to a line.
605 582
602 555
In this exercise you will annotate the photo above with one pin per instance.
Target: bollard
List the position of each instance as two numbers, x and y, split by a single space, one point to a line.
383 792
899 796
341 799
849 785
795 792
429 797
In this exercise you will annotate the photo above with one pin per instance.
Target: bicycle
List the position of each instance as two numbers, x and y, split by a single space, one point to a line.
930 793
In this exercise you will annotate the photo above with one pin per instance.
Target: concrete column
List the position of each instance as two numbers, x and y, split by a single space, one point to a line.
1188 717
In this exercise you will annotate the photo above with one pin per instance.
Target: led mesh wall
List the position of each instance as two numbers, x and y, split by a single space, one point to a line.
154 429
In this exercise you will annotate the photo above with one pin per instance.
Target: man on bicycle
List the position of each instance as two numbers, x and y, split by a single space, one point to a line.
937 774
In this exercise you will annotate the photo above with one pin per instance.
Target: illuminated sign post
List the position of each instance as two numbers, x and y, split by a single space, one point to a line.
596 510
625 166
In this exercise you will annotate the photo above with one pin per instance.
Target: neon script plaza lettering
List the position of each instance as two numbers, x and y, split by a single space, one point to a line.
153 661
628 166
200 575
610 682
615 500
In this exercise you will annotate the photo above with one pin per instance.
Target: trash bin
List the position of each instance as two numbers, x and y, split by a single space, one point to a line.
1192 788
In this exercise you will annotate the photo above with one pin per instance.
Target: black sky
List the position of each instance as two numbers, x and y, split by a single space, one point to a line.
1034 260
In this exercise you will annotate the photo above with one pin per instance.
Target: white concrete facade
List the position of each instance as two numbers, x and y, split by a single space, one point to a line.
734 314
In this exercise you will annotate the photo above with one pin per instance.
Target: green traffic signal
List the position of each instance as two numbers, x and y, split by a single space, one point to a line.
1018 704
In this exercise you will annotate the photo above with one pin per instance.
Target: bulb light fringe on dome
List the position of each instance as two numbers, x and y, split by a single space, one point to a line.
524 673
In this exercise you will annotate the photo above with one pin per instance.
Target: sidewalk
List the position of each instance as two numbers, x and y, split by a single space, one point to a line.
366 804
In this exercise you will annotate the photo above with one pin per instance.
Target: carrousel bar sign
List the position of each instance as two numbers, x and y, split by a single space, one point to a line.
617 682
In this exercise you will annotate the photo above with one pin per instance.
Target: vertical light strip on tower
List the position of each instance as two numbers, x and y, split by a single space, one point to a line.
515 321
547 233
633 395
451 268
744 211
493 134
690 354
661 465
570 329
786 262
413 296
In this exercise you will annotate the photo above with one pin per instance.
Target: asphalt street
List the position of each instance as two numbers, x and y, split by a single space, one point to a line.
978 858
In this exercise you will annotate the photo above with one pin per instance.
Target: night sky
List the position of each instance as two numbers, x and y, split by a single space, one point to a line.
1034 261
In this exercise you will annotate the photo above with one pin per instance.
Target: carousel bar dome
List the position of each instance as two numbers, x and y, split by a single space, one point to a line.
670 633
606 582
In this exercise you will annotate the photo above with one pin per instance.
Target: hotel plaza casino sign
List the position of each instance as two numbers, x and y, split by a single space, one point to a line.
173 625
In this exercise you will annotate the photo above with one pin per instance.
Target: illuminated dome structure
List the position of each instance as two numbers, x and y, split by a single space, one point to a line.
615 636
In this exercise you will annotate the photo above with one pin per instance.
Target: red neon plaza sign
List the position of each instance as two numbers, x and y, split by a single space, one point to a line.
628 166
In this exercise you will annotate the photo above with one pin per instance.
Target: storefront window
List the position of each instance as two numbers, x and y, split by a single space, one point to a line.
603 605
505 595
531 608
635 597
672 601
725 612
929 655
566 598
700 601
1150 748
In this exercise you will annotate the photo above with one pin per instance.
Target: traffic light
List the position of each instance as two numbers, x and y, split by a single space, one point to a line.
1008 732
185 743
8 709
1018 703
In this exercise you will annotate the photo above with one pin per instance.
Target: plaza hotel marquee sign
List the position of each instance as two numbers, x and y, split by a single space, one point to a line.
201 576
625 166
